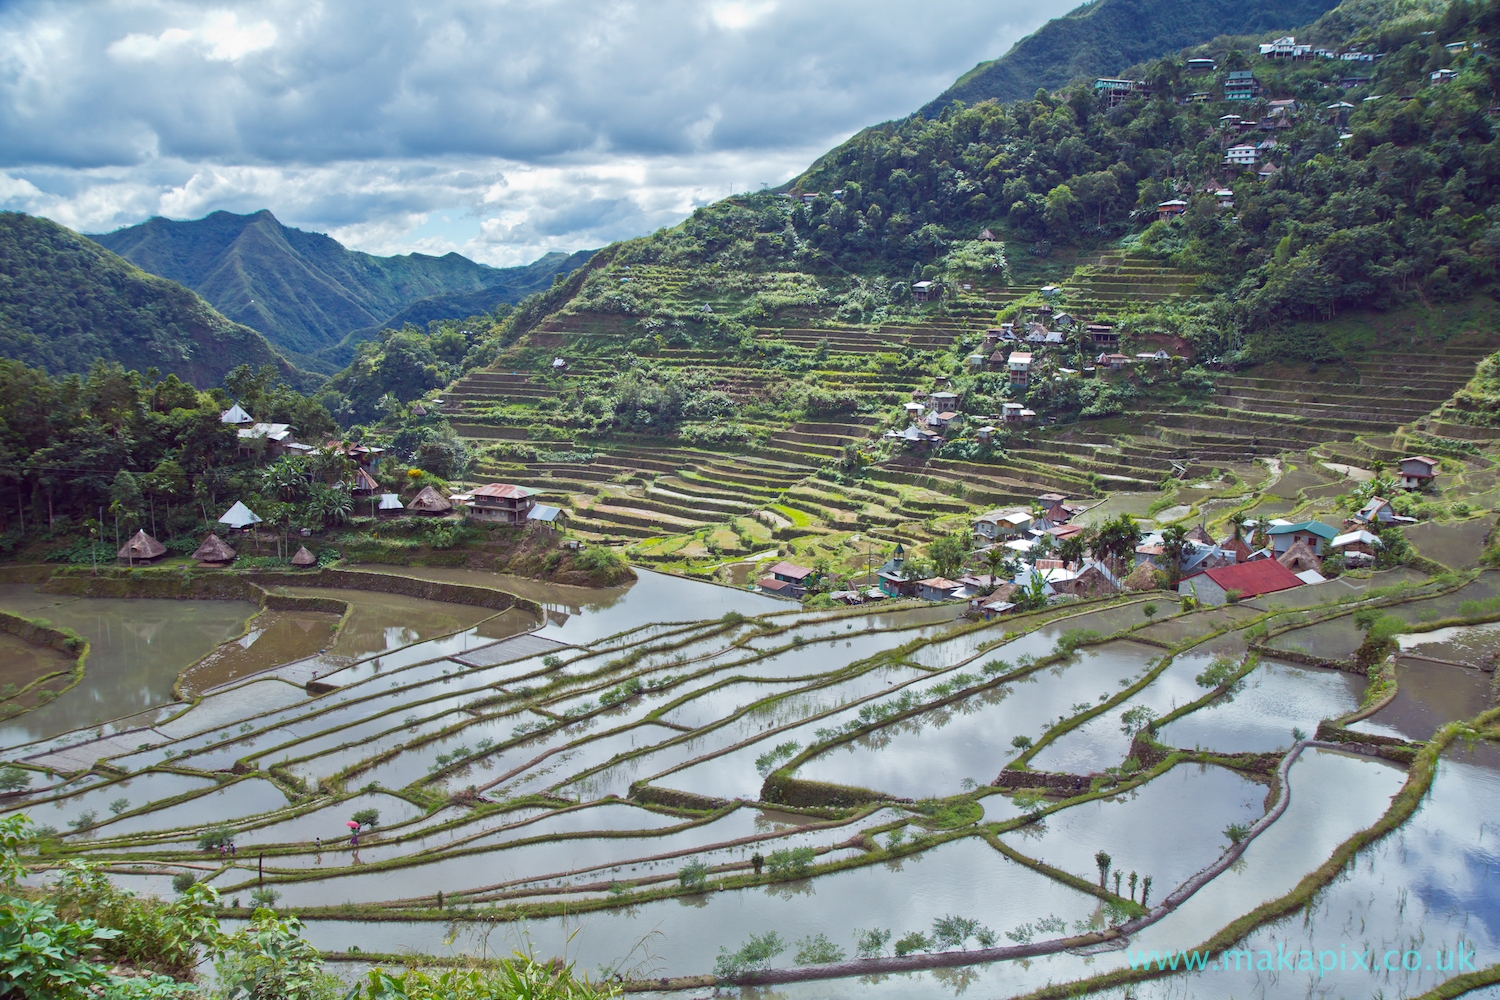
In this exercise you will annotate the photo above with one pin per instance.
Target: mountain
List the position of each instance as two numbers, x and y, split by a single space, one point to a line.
306 291
66 301
1103 37
517 283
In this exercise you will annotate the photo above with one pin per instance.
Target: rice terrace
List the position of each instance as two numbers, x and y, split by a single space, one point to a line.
1045 548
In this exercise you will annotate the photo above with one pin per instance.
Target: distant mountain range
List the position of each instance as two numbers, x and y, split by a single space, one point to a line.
307 292
65 301
1103 37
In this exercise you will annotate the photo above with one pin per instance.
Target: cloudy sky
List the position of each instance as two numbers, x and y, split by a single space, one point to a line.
498 128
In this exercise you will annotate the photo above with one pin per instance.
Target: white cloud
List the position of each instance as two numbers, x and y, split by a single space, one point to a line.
219 36
540 124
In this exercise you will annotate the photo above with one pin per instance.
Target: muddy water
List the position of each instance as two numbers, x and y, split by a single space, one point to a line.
130 794
581 615
273 638
379 622
1428 695
1275 699
137 648
966 878
1168 828
931 754
22 662
1470 645
1104 740
1135 504
1457 544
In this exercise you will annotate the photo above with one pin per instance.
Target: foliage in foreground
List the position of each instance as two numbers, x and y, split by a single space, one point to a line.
83 937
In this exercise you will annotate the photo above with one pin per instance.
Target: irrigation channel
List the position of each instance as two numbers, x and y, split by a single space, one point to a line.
642 780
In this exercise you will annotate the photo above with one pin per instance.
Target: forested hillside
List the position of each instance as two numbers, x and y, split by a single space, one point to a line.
1103 37
65 303
305 291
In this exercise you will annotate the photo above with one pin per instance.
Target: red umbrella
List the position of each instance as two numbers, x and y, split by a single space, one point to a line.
351 824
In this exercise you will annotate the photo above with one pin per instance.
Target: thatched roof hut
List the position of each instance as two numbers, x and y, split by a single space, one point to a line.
304 558
142 548
214 550
429 501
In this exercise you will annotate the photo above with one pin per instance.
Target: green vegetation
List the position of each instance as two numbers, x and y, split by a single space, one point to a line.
66 303
1104 37
278 280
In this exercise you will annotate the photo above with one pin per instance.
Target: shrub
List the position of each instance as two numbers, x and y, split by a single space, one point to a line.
816 949
791 861
755 954
871 943
915 941
693 874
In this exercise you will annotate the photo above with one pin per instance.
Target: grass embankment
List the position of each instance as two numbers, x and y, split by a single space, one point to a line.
1403 805
46 688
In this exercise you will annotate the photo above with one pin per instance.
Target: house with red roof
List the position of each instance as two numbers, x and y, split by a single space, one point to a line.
1243 580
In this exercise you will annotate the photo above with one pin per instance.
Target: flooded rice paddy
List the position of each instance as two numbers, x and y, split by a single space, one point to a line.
552 794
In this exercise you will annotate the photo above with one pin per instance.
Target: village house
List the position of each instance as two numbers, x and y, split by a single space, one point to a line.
1300 557
1168 210
937 588
1113 91
141 548
1114 362
924 291
1441 76
1376 511
1157 355
894 581
1418 471
1102 334
997 360
1020 368
278 439
1285 47
1357 547
1196 67
236 415
1311 533
785 580
1225 198
501 503
944 400
1241 85
1243 581
430 503
940 421
1243 155
997 525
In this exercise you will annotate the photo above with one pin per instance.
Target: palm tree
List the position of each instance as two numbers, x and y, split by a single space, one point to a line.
994 560
1237 525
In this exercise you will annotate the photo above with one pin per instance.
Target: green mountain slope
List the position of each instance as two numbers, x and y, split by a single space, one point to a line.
518 283
65 302
1103 37
304 291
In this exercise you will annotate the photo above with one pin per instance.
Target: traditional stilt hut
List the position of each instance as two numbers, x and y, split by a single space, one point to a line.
142 548
304 558
430 502
214 552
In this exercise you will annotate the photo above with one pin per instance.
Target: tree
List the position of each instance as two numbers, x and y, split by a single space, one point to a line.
1103 860
1173 544
1058 212
1117 539
948 552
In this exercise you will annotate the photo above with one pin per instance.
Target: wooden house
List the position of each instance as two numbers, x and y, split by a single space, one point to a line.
502 503
1417 471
